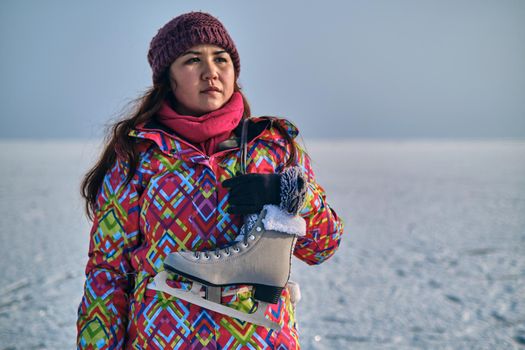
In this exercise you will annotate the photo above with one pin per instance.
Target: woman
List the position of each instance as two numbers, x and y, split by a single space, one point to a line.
168 180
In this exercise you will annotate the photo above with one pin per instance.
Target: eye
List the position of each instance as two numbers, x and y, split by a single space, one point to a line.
192 60
222 59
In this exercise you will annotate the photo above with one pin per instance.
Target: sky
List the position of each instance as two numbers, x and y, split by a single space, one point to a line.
399 69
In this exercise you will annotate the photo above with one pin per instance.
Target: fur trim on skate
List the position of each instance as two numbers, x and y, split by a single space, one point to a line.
277 219
295 292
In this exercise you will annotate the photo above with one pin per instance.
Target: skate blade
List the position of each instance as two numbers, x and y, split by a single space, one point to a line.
194 297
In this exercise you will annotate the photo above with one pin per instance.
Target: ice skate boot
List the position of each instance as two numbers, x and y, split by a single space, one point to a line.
262 260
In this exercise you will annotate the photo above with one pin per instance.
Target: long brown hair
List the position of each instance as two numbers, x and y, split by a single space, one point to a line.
117 142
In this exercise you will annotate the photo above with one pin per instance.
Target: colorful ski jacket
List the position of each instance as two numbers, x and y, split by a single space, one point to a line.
175 201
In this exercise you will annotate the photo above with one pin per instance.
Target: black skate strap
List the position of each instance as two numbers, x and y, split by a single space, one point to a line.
244 146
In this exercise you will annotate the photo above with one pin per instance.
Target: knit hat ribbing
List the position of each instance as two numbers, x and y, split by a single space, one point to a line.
183 32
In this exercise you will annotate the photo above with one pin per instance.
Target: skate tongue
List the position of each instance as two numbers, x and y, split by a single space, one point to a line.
277 219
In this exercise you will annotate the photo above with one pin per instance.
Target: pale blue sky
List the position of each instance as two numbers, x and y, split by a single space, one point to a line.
367 68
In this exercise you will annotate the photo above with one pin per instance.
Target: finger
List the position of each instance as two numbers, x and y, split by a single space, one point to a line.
244 209
240 180
229 182
231 209
241 196
241 189
244 200
236 203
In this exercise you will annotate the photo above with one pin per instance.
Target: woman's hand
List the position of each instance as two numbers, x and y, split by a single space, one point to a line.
249 193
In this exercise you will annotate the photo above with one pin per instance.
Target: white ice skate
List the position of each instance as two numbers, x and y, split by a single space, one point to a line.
262 260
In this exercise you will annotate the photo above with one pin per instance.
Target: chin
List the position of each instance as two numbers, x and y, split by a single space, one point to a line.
212 107
201 111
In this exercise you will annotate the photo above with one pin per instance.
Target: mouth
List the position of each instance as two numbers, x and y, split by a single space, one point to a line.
211 89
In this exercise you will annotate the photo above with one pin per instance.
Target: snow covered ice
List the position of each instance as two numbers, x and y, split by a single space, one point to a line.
433 255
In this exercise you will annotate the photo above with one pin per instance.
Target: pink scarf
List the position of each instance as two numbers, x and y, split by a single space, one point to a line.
208 130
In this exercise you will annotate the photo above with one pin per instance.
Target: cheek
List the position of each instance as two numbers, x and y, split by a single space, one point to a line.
180 96
183 85
229 81
173 85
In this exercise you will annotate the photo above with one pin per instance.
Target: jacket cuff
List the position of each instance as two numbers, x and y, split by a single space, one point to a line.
293 190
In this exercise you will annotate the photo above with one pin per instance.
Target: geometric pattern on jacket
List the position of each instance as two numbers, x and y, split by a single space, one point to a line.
175 201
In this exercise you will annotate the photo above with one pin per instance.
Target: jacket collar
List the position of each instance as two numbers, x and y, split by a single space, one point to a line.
172 144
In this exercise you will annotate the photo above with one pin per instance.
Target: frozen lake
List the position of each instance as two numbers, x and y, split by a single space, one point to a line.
433 255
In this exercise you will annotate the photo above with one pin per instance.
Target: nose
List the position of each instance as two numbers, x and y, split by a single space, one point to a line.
210 71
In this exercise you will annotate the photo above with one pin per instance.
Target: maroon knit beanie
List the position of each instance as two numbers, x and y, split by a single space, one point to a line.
183 32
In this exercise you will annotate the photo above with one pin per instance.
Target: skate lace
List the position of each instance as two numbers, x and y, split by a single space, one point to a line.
249 223
218 252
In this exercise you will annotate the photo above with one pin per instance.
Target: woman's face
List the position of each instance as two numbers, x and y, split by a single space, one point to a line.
202 79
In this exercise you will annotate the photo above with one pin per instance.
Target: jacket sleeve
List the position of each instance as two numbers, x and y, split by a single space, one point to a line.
103 311
323 227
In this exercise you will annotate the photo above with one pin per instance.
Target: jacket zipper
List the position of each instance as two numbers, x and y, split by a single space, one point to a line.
205 156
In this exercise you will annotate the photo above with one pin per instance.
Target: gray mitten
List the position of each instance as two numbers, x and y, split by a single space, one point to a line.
293 190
